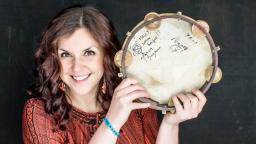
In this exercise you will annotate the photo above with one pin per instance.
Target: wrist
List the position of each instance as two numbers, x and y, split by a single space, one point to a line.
169 123
110 127
114 122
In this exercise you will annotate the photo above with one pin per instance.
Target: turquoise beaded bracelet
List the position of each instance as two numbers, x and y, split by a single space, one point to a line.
108 124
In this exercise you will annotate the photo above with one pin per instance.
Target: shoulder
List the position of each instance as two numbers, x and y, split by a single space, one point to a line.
34 106
39 126
34 103
34 111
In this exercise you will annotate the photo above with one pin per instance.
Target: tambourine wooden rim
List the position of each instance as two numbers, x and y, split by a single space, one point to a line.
154 104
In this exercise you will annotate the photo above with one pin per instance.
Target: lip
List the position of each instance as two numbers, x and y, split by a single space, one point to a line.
80 78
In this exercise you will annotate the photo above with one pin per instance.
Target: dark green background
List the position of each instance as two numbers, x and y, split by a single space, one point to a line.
229 116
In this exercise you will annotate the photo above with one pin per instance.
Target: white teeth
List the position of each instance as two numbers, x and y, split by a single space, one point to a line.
80 77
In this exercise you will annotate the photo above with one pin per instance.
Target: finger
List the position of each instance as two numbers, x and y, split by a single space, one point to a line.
201 97
129 89
135 95
185 100
139 105
194 101
177 104
126 82
194 105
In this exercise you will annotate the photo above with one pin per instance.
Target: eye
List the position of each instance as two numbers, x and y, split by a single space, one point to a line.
64 54
89 53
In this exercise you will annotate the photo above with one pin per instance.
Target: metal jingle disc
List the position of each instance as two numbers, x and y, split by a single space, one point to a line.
217 76
196 31
155 24
118 58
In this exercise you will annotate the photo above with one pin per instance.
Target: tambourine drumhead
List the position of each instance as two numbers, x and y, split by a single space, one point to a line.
170 58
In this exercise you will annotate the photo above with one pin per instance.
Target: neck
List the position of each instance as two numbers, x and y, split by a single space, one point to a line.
86 103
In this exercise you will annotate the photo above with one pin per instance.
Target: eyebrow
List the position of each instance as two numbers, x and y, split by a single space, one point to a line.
83 50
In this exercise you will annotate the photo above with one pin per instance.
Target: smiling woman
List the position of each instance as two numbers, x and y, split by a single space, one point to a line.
81 59
76 81
78 97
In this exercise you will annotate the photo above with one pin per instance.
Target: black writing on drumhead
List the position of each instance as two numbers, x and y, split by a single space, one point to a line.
149 38
146 46
177 46
148 54
191 38
137 49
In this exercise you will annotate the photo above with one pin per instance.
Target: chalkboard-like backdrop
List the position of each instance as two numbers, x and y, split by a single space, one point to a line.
230 114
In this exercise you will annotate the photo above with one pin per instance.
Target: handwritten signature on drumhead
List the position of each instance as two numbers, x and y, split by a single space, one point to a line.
147 55
178 46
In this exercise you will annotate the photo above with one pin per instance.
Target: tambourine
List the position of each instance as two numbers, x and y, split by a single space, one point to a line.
169 53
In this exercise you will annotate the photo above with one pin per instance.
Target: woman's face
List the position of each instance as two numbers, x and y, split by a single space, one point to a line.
82 62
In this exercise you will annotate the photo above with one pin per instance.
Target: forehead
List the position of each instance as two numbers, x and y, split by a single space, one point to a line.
78 40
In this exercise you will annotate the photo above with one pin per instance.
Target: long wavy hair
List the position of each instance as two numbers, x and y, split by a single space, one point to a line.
48 66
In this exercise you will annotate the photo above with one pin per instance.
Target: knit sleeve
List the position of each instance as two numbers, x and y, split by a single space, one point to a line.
150 125
37 125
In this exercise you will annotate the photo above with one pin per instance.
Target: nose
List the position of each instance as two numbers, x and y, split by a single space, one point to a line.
77 65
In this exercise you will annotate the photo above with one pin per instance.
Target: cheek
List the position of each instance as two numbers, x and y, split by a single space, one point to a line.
65 66
99 64
95 62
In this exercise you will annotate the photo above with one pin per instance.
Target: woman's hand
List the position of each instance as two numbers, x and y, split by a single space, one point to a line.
192 106
123 101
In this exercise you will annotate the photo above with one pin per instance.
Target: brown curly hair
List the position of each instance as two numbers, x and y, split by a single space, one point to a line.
48 67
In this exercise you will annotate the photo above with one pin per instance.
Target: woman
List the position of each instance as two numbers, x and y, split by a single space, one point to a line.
78 96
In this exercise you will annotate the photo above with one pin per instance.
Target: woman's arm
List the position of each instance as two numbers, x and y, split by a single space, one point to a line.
168 134
192 106
121 106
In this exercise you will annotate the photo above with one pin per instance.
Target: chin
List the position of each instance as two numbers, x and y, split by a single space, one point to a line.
82 91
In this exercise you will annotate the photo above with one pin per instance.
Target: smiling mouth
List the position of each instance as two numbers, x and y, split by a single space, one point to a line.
80 78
